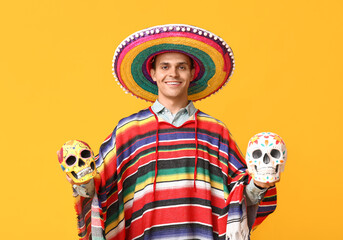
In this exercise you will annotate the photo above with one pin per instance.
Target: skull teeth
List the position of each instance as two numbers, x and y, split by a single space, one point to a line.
82 173
266 170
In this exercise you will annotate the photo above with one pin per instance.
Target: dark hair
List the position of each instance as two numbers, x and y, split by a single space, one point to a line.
153 62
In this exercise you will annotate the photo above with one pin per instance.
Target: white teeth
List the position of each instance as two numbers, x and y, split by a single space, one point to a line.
172 83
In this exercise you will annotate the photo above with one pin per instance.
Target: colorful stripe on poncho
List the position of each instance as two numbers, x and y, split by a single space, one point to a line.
157 181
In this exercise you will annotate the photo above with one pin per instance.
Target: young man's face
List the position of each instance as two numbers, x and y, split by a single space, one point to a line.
173 72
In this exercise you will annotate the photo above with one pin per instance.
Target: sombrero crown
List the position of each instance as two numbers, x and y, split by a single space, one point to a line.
212 56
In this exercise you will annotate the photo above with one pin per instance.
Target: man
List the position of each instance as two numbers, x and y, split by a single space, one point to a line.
171 171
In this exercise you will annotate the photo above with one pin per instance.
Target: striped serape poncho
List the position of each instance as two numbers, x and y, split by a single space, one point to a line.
158 181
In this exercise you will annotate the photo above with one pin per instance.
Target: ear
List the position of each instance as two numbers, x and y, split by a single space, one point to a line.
152 74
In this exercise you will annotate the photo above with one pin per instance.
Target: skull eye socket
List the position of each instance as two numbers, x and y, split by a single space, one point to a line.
71 160
85 154
275 153
257 154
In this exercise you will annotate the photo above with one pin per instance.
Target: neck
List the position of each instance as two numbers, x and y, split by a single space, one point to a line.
173 105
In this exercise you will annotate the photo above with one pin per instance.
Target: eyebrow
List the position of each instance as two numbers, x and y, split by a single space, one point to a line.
167 63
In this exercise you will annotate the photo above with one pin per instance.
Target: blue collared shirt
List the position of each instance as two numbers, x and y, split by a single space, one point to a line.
177 119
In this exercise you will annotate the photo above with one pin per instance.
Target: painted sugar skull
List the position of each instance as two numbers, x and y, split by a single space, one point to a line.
77 160
266 157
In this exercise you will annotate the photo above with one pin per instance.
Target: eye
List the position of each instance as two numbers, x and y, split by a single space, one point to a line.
164 67
86 154
275 153
70 160
182 67
257 154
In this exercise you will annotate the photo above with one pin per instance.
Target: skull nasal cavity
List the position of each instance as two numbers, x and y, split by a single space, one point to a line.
81 163
266 159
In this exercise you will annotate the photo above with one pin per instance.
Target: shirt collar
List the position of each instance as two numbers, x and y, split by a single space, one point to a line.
157 107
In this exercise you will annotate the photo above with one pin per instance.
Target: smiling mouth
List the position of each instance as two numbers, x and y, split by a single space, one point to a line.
173 83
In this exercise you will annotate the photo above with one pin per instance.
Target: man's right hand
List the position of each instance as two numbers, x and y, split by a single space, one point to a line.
86 189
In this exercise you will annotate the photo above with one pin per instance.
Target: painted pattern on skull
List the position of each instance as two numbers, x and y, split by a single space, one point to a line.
266 156
77 161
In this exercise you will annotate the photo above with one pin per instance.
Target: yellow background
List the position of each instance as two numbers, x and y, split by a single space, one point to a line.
56 85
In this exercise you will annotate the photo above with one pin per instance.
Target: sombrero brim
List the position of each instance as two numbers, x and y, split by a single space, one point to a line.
212 56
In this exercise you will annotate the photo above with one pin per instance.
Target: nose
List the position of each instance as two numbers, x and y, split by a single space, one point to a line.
81 163
266 159
173 72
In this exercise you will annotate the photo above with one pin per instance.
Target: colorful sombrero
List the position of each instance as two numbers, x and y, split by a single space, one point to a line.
213 59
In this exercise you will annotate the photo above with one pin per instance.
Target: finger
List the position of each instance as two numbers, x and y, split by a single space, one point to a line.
247 171
70 180
264 185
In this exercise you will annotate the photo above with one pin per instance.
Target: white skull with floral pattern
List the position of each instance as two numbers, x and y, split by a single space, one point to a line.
266 157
